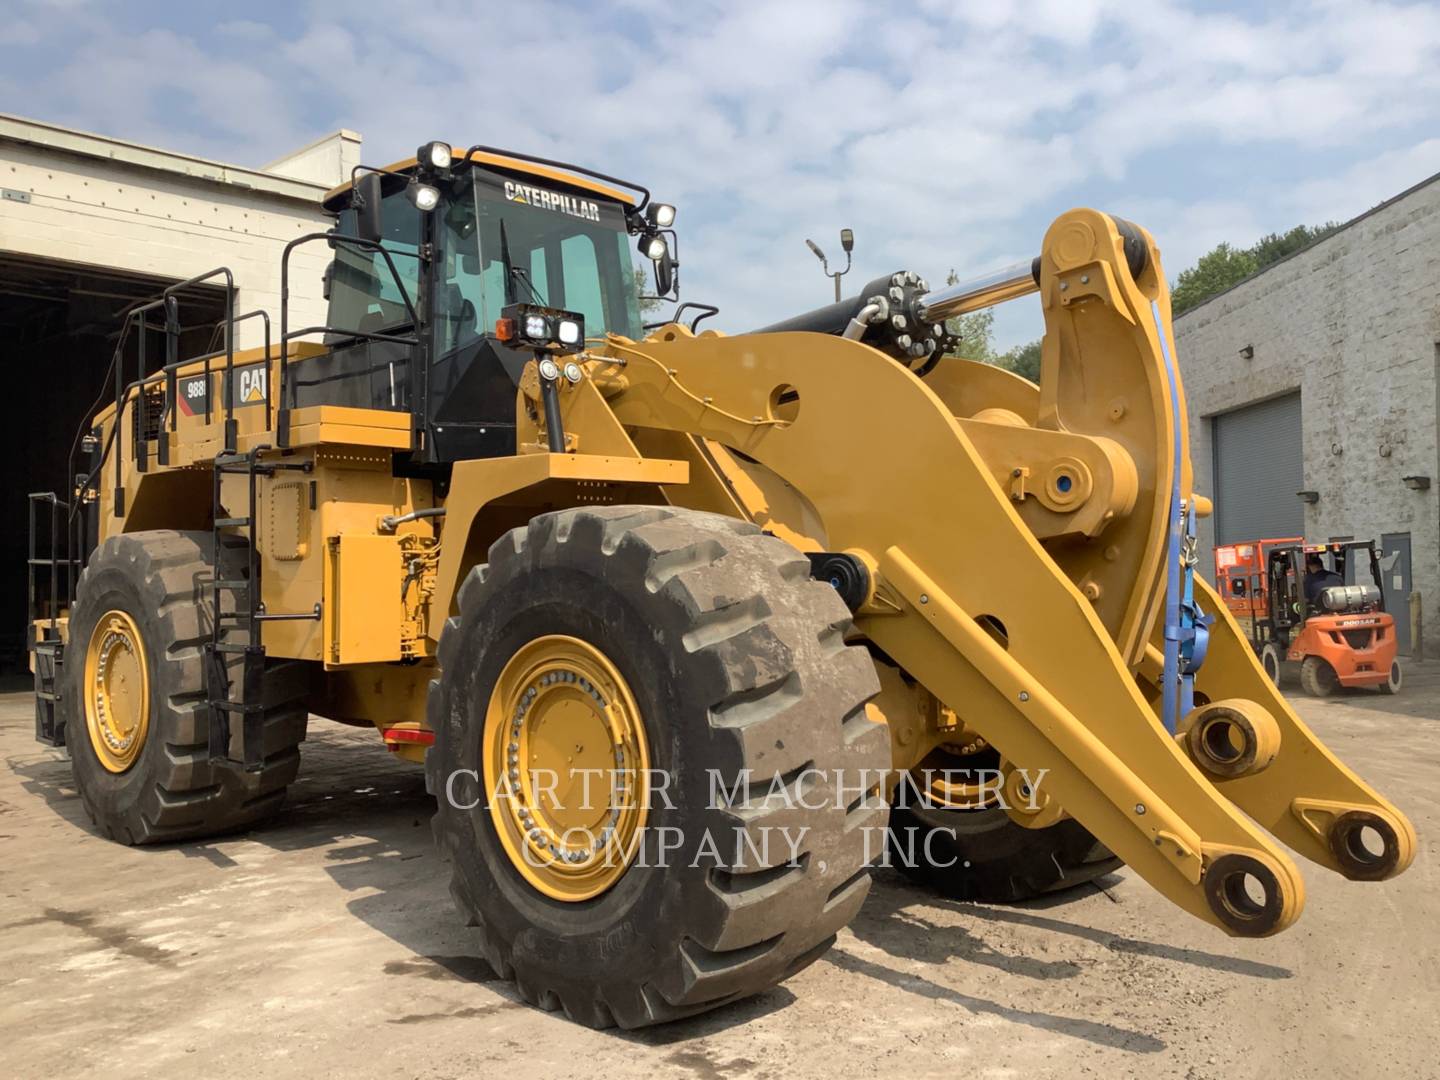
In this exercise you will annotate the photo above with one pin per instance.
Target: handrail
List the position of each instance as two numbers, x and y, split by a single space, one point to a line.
173 365
54 562
367 335
706 310
169 300
116 358
282 419
213 353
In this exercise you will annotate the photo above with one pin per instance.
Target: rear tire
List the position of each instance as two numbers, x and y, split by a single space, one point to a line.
737 662
983 855
1318 677
1270 660
1393 683
171 791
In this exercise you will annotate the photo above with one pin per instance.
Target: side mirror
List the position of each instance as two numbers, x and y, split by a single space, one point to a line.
664 273
367 212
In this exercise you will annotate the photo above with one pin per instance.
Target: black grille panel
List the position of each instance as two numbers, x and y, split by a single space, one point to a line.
1358 639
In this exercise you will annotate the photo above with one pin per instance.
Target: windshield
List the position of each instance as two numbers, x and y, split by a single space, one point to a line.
506 241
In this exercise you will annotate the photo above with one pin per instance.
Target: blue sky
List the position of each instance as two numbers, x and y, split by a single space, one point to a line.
947 135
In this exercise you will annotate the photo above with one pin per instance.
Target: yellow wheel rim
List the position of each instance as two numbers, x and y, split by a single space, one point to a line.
566 765
117 691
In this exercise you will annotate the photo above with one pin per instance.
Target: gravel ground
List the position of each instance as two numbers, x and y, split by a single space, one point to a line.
325 945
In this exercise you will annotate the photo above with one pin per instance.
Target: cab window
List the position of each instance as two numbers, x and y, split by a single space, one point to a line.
364 294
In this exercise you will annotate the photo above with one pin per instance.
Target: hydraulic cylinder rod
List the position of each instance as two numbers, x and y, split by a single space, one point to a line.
1010 282
986 290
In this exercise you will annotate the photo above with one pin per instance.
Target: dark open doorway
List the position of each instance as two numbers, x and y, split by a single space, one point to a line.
59 323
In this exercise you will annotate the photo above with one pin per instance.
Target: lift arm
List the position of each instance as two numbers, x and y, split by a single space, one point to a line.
1036 649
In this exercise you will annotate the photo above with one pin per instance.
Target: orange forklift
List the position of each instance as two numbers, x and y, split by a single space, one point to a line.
1293 600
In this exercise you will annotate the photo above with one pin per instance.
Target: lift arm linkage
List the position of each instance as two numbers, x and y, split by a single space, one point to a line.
1040 650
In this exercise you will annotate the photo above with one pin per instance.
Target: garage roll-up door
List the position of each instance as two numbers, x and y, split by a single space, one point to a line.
1259 466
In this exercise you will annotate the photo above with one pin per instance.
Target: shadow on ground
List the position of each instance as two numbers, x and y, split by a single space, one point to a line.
368 817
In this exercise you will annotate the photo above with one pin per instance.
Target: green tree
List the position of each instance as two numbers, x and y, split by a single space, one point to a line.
977 342
974 331
1216 271
1023 360
1223 265
1276 246
643 297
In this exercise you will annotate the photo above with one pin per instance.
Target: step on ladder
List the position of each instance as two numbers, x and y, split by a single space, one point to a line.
248 615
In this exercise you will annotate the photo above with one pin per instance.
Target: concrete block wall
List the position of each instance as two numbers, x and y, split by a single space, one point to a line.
1353 323
167 215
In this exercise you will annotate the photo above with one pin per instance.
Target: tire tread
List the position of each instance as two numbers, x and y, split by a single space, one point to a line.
184 795
786 680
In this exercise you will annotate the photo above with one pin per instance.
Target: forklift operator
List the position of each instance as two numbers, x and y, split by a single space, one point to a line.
1317 578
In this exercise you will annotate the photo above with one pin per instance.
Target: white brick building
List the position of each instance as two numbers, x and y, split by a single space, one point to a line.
89 225
1321 374
105 203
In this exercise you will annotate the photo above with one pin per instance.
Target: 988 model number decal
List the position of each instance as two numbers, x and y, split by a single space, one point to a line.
193 395
193 391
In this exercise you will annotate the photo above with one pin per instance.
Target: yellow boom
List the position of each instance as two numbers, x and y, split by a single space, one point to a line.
934 504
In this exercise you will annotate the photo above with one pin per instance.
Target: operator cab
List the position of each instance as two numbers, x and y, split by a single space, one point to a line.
413 327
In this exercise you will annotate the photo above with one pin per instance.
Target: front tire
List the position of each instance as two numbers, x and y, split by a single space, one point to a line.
134 697
739 672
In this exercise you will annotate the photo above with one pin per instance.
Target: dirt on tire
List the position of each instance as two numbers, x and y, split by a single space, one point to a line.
173 791
739 664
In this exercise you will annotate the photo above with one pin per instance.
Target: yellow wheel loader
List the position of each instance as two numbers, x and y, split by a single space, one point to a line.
673 618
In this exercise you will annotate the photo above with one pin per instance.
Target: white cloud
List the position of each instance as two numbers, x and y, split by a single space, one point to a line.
945 134
1185 231
1366 183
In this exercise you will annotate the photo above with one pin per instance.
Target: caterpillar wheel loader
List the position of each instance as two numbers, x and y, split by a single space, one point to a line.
672 617
1298 610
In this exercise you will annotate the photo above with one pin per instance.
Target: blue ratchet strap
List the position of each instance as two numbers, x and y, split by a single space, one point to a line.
1186 630
1194 624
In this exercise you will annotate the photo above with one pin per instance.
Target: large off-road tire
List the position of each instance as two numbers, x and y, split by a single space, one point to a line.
736 663
1317 677
982 855
148 594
